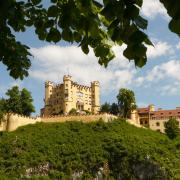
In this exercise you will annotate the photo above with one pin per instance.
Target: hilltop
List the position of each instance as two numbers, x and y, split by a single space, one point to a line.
63 150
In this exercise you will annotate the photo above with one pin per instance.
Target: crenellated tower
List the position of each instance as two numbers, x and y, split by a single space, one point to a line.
67 80
95 88
48 91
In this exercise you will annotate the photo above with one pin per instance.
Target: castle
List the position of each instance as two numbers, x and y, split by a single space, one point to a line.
61 98
154 119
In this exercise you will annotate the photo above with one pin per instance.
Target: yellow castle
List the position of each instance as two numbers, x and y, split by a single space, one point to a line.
61 98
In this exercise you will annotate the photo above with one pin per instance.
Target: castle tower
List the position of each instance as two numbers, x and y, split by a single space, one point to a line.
67 79
48 92
95 97
151 107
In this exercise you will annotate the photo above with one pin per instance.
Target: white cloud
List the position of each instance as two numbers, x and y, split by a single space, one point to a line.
55 61
169 69
153 8
171 89
52 62
160 48
178 46
166 72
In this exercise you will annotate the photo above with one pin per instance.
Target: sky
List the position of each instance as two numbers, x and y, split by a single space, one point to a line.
158 82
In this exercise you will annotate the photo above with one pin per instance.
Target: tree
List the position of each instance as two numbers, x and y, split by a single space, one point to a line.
13 103
2 108
19 102
114 109
126 102
172 128
105 108
26 102
87 23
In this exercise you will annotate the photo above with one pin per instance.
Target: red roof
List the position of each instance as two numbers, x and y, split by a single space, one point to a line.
143 110
166 113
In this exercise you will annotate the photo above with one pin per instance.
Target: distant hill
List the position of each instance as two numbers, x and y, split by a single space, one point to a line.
116 150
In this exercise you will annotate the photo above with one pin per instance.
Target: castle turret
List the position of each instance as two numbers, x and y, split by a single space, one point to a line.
67 93
95 96
151 107
48 91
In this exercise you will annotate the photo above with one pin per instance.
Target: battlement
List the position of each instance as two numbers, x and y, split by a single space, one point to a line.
67 78
75 84
12 121
49 83
95 83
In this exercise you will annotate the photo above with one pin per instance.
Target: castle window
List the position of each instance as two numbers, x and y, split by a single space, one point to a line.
157 124
79 94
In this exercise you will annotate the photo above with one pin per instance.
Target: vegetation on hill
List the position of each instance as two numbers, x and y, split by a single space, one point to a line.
62 150
172 128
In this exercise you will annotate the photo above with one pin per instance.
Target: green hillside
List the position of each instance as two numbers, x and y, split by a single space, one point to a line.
62 150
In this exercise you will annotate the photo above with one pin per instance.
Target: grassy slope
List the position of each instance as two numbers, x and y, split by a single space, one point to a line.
76 146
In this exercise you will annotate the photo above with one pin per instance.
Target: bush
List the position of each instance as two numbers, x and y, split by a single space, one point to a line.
72 147
73 111
172 128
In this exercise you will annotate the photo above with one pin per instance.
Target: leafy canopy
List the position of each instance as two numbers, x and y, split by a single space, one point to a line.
126 101
105 108
87 23
19 102
172 128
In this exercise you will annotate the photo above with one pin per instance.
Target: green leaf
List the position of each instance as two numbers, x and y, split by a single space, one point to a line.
131 12
35 2
174 26
67 35
101 51
138 37
77 37
53 11
139 2
53 35
139 50
140 62
85 48
141 22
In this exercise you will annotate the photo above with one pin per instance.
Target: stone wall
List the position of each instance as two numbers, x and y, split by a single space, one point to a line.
158 124
12 121
83 118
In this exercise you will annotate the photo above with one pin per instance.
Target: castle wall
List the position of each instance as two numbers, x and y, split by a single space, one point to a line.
83 118
13 121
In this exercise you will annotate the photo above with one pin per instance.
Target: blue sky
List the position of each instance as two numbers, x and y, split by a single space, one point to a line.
158 82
